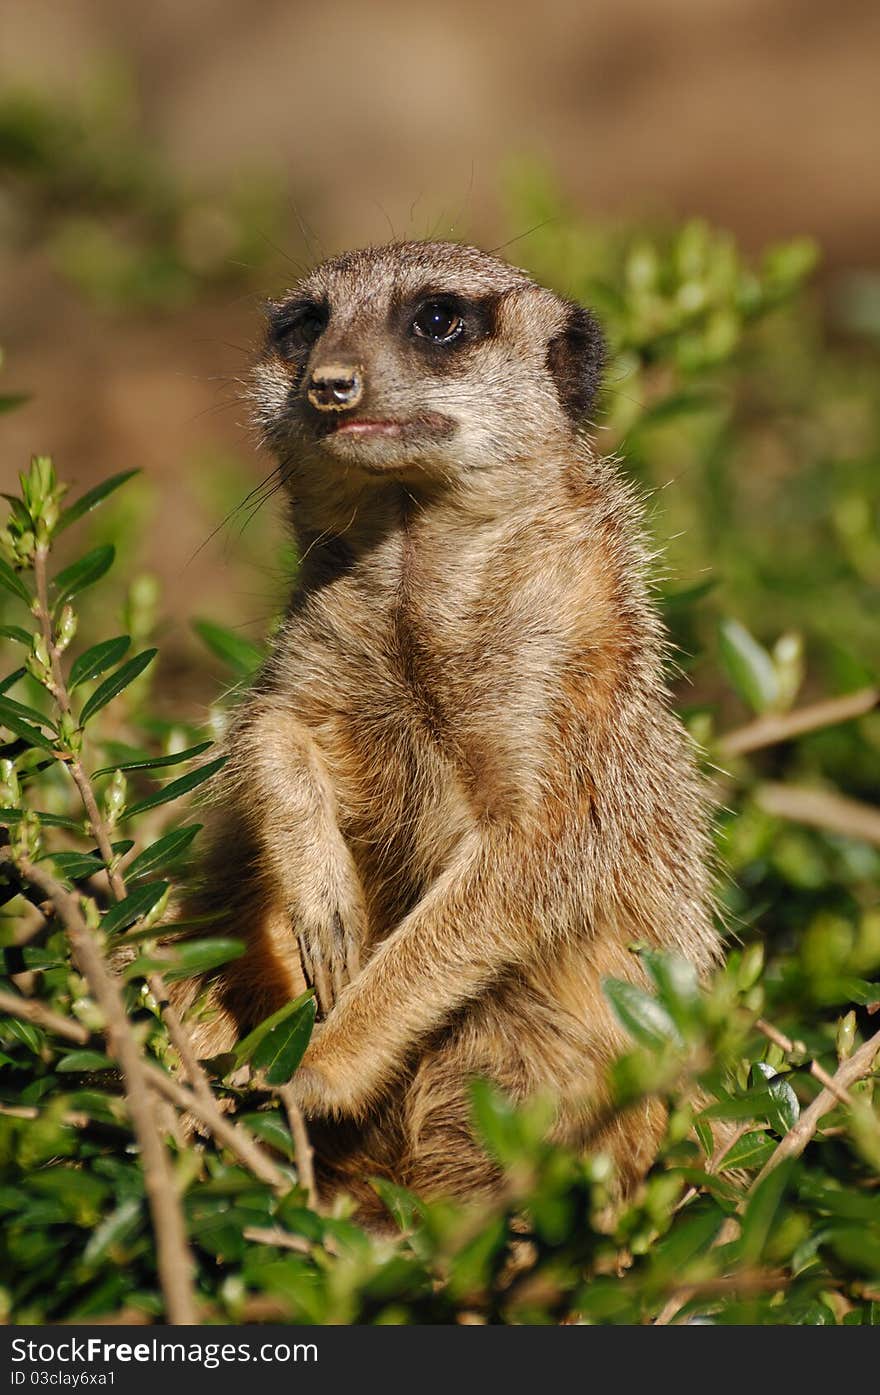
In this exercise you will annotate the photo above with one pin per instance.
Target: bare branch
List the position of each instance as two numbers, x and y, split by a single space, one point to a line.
282 1238
74 1117
31 1011
173 1258
301 1145
818 1072
832 812
233 1136
62 698
237 1139
784 726
795 1141
859 1064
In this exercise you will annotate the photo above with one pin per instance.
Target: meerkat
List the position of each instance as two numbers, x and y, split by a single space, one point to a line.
456 793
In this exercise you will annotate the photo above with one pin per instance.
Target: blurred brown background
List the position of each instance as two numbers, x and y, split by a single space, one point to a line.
367 120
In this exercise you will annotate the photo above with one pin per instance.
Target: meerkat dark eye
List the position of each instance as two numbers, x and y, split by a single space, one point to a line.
297 329
438 321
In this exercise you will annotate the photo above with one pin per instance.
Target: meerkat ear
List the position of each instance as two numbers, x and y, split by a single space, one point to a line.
575 358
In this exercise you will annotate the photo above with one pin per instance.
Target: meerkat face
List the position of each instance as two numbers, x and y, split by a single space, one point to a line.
423 359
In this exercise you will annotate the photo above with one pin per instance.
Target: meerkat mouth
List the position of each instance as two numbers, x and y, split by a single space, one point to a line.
432 424
368 428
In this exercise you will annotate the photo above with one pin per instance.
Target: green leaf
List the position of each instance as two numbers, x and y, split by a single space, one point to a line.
784 1107
9 717
245 1049
677 985
762 1209
495 1119
91 499
239 653
691 1235
17 633
97 659
156 762
77 866
112 686
790 262
859 990
405 1207
748 665
192 957
704 1134
643 1016
14 816
281 1050
16 957
270 1127
82 1061
30 714
11 581
858 1247
89 569
10 400
178 787
163 851
10 681
25 1032
113 1230
135 906
752 1150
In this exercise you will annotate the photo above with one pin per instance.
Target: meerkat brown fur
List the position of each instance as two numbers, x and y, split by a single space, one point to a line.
456 793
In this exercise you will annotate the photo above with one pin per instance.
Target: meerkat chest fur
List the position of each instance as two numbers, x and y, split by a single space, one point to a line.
424 672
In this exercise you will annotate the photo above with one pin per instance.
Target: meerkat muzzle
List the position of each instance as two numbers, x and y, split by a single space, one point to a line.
335 387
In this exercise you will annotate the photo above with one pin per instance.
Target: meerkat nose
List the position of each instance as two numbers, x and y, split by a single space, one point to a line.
335 387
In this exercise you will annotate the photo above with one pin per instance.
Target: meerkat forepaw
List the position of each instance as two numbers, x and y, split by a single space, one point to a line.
330 957
332 1081
312 1091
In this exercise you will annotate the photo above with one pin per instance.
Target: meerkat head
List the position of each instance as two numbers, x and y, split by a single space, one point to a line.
423 359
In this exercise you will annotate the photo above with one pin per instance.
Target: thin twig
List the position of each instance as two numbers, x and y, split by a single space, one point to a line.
181 1041
173 1257
233 1136
282 1238
848 817
795 1048
794 1142
62 697
857 1066
28 1010
74 1117
714 1163
778 1038
777 727
302 1148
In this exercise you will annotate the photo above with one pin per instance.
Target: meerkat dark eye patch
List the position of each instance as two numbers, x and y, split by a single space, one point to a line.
575 358
295 327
